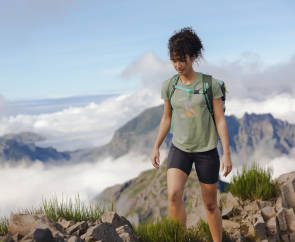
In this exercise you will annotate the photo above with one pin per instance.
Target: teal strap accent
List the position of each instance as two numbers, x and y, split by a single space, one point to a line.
184 89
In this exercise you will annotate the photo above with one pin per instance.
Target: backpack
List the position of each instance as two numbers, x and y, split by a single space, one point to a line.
207 91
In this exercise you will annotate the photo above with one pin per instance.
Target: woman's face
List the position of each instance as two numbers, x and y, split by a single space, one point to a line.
183 66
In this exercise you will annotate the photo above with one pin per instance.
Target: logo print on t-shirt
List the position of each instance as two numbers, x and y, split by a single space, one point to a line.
189 110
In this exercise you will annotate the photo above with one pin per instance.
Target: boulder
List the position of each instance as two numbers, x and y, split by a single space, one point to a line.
114 219
65 223
24 224
74 239
271 226
285 238
229 225
268 212
260 228
287 186
290 218
281 216
126 233
228 204
78 228
103 231
292 236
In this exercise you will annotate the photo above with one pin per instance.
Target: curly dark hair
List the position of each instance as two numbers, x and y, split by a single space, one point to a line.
183 42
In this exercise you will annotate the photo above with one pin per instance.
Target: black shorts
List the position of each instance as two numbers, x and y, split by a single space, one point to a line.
207 163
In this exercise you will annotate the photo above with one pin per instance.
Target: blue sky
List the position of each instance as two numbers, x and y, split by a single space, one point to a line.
54 48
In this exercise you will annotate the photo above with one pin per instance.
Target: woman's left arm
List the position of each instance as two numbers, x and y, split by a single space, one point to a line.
221 126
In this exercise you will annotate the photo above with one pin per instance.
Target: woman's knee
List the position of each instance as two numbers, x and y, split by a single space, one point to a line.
175 195
210 206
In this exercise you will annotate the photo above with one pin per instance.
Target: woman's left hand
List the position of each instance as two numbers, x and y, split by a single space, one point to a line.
226 164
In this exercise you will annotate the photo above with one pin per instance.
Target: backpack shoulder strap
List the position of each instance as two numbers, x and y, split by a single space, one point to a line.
207 87
171 87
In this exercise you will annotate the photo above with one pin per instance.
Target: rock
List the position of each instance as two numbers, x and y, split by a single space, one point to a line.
265 204
247 229
268 212
228 204
40 235
17 237
227 212
290 218
65 223
74 239
126 233
259 227
103 231
26 223
287 186
237 236
252 207
78 228
285 238
279 204
114 219
229 225
271 226
274 238
281 216
7 238
292 236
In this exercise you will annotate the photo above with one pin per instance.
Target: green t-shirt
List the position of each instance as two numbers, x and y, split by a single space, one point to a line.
193 126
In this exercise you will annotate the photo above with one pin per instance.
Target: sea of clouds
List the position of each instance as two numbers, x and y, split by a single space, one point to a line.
253 87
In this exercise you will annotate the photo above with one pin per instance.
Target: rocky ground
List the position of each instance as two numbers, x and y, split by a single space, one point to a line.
40 228
256 220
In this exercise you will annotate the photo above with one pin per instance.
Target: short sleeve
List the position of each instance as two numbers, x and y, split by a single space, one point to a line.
164 90
216 89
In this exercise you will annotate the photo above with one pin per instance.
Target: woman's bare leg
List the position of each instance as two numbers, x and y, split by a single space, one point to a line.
176 180
209 196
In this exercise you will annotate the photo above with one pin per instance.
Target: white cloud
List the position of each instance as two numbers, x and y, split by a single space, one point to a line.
246 77
150 69
23 186
281 106
80 127
274 164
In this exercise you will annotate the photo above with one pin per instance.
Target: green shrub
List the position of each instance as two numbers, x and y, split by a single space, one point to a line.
171 230
167 230
253 183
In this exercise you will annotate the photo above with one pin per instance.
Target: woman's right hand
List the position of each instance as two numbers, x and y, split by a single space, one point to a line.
156 158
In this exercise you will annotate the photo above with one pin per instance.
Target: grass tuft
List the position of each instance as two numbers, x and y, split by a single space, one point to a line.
76 211
253 183
171 230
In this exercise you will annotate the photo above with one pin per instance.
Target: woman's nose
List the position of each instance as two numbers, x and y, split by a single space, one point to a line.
178 64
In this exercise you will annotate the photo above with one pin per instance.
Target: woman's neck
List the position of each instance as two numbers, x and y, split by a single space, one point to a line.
189 77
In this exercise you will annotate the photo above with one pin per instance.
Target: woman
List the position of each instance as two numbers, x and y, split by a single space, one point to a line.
194 133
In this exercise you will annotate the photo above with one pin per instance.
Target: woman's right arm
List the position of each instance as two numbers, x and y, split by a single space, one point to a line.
162 132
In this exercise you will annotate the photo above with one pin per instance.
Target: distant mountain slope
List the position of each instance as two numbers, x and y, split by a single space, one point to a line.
144 198
21 147
247 135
